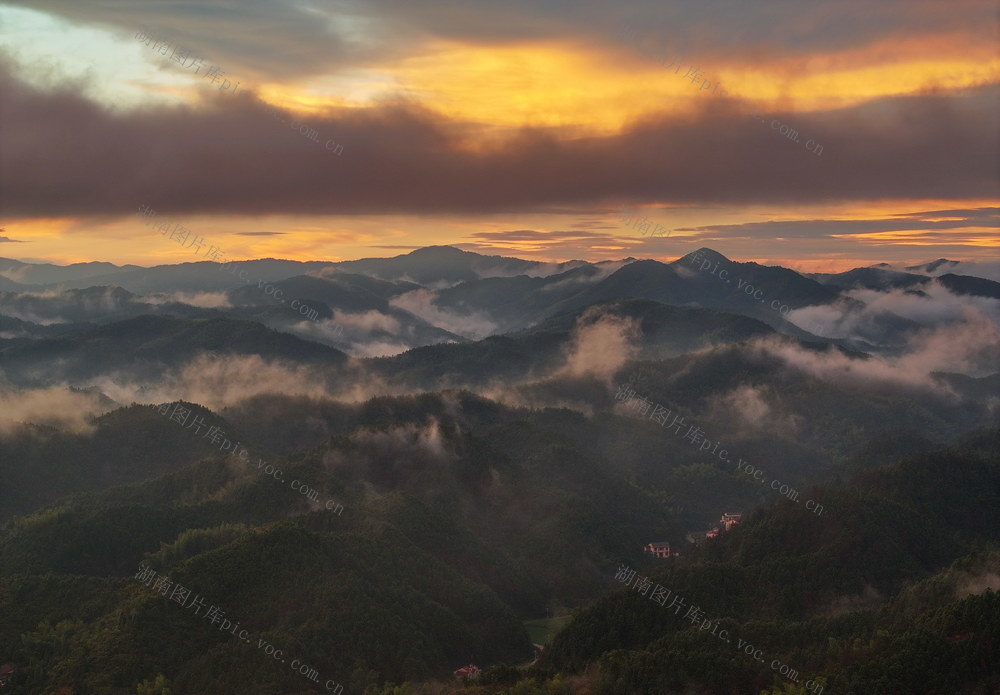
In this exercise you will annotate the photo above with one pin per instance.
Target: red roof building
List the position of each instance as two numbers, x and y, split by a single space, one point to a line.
660 550
470 671
729 520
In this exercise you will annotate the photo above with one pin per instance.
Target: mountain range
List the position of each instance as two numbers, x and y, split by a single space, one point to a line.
393 468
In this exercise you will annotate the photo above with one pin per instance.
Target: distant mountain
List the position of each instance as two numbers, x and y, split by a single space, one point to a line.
987 269
7 285
52 464
479 483
870 279
449 295
199 276
94 304
344 291
964 284
933 267
539 350
520 301
15 329
446 265
147 344
745 288
354 310
882 279
46 273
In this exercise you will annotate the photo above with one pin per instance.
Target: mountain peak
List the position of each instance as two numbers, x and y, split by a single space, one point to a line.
933 265
439 251
703 254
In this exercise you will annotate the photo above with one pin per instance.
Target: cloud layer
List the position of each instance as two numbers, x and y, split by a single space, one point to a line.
231 157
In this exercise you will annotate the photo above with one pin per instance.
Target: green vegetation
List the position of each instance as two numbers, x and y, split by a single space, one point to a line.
542 631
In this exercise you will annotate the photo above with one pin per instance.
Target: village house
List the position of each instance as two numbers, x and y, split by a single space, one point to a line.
729 520
660 550
6 671
470 671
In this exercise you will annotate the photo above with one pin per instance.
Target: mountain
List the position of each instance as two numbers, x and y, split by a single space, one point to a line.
7 285
56 464
514 303
870 279
772 582
374 307
441 517
97 304
197 276
446 265
544 348
978 287
46 273
933 267
145 345
746 288
350 312
384 470
884 280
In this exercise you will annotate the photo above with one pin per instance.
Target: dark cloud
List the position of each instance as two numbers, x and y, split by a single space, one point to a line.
301 38
555 243
592 223
64 155
928 224
985 216
4 239
518 235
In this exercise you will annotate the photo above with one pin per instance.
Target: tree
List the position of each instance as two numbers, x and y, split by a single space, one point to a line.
160 686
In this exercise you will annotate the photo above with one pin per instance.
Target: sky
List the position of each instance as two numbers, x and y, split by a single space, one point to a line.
821 136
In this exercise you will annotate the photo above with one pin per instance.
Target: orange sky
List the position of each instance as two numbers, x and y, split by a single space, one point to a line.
508 98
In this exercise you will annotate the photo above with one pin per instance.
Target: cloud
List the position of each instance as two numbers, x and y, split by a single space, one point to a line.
868 314
305 38
366 334
989 270
979 585
968 345
204 300
367 322
555 242
56 306
327 331
475 325
400 158
600 344
216 382
56 406
4 239
379 348
748 402
289 39
978 223
407 457
752 408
